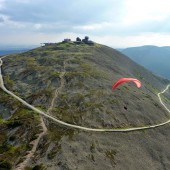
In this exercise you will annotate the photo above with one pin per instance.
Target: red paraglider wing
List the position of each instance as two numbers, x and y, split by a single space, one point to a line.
123 80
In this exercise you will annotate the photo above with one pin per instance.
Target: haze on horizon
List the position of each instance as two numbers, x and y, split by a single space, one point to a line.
116 23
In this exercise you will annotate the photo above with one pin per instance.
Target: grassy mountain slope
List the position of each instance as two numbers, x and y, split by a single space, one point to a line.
16 131
87 99
154 58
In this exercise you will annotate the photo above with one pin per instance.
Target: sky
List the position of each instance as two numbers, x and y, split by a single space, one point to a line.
116 23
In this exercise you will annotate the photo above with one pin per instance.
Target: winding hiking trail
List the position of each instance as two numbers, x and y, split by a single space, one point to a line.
81 127
58 89
35 143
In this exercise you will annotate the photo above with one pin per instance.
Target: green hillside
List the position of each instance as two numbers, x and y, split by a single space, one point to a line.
83 76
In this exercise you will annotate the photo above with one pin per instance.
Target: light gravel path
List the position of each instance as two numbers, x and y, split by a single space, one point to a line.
81 127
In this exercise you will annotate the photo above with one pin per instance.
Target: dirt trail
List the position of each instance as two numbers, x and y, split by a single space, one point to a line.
35 143
58 89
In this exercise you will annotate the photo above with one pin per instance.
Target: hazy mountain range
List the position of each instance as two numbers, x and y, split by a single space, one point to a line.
6 50
156 59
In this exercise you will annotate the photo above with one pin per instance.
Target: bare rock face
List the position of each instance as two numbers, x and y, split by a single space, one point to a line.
83 76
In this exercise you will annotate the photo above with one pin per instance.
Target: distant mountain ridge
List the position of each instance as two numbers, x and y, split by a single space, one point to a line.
7 52
156 59
13 49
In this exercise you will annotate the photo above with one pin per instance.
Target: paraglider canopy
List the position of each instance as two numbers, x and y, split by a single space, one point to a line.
123 80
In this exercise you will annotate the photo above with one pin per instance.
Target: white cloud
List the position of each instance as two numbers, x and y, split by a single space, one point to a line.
96 26
2 4
23 1
37 26
3 19
32 38
137 11
7 23
131 41
119 23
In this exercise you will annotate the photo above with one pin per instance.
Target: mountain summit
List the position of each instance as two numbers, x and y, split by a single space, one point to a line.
72 82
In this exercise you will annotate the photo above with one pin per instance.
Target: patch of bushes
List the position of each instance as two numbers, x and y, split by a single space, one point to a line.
54 151
5 165
111 155
8 81
14 123
36 167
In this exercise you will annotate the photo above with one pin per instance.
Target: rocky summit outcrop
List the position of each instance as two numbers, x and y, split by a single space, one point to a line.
79 78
